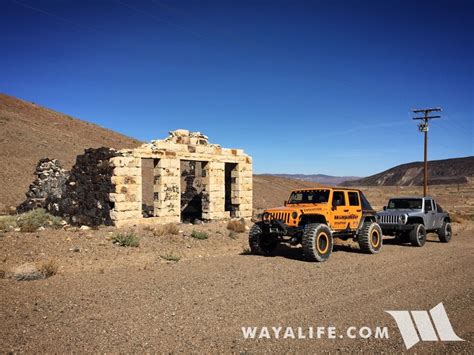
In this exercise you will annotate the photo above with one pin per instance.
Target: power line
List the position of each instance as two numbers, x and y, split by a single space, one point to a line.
423 127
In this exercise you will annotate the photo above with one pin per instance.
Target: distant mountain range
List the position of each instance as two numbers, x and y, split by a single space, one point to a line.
319 178
440 172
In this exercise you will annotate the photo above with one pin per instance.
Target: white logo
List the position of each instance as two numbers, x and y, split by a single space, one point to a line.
425 327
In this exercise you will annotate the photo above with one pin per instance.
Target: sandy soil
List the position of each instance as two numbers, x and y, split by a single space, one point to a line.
107 298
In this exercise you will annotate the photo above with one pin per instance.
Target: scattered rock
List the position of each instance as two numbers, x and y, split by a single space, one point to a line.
27 272
85 228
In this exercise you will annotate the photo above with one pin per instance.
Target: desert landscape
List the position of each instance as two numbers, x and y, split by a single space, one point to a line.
182 287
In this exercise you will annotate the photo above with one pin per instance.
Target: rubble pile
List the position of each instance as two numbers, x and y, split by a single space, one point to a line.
86 199
47 188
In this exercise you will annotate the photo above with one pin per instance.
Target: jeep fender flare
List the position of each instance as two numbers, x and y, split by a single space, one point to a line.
366 219
415 220
312 218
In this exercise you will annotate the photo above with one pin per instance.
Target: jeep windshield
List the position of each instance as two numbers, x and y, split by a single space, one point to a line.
405 204
310 196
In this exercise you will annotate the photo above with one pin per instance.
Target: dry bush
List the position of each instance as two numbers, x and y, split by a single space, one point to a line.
165 229
126 240
199 235
7 223
237 226
48 268
32 220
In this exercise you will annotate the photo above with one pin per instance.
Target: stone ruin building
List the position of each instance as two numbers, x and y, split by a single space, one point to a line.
182 178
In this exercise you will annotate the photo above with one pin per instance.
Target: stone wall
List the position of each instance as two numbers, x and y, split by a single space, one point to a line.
150 184
87 190
167 154
48 187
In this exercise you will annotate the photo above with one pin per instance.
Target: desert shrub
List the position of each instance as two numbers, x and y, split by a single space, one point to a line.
237 226
199 235
48 268
32 220
126 240
246 251
233 235
171 257
165 229
7 223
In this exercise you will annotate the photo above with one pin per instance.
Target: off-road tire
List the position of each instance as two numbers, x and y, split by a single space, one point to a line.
445 232
317 242
418 235
260 243
370 238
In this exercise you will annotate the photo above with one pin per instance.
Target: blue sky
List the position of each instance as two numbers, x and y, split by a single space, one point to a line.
302 86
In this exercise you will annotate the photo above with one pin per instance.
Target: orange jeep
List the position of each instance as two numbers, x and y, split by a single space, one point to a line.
313 217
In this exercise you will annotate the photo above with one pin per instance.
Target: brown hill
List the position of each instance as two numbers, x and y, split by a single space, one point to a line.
29 132
272 191
440 172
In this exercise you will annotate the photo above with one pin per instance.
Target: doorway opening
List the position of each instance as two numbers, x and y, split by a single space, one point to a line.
192 186
149 176
230 187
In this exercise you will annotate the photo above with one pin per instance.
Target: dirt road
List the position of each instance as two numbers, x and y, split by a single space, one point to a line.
111 299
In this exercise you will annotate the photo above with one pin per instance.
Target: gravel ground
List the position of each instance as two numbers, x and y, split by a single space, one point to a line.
107 298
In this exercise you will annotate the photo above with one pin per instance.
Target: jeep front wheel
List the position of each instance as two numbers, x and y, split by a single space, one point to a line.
418 235
445 232
317 242
260 243
370 238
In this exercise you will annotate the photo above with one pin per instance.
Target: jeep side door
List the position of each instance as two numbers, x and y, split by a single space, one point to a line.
430 214
438 220
355 209
340 210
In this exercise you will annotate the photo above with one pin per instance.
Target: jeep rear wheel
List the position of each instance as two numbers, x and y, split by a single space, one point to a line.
445 232
260 243
370 238
317 242
418 235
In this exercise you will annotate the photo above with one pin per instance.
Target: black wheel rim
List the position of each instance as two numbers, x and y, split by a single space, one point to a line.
448 231
421 235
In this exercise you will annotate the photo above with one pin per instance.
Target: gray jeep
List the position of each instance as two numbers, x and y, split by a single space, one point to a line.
409 219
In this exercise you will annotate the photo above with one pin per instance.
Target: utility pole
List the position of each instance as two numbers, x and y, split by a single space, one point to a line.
423 127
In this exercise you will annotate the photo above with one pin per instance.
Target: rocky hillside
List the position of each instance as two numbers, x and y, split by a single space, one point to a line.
319 178
29 132
447 171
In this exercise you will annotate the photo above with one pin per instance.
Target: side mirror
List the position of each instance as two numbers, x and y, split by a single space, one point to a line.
285 203
384 208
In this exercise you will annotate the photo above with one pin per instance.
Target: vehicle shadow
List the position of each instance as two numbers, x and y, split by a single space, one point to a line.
295 253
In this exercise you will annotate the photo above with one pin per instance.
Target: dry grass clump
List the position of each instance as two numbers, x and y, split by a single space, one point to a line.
233 235
48 268
165 229
237 226
199 235
171 257
7 223
30 221
126 240
246 251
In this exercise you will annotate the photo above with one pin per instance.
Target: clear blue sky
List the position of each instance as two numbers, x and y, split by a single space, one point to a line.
302 86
